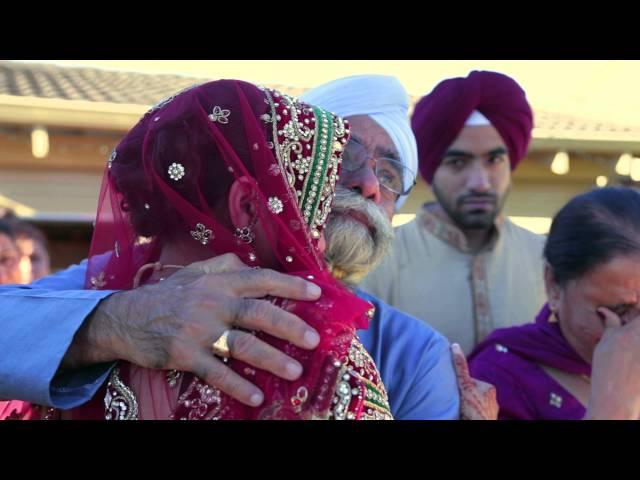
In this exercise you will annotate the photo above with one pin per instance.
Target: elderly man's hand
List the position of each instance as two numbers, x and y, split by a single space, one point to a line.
477 398
173 324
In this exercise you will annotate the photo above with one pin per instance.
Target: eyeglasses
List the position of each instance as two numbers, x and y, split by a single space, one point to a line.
391 173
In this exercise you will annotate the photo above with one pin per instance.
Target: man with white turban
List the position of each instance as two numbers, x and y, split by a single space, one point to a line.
378 171
383 100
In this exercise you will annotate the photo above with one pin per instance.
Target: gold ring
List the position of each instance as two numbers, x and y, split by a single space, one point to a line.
221 346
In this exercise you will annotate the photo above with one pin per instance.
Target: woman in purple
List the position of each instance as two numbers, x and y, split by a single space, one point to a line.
581 357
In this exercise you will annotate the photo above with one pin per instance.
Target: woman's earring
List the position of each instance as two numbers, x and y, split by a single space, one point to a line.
245 234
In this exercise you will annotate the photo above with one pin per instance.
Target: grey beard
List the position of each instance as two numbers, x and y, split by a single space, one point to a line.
354 249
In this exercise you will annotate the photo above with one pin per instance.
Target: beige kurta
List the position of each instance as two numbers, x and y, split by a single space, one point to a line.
431 275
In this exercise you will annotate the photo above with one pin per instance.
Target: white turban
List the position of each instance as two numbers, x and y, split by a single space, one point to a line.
381 97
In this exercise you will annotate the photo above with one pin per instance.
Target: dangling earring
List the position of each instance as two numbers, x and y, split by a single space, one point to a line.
553 318
245 234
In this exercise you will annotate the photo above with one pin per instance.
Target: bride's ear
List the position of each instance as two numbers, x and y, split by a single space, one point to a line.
242 202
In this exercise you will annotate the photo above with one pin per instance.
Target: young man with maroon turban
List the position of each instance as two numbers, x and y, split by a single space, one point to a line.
461 265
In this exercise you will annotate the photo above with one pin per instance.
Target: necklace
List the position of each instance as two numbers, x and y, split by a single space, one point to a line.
157 266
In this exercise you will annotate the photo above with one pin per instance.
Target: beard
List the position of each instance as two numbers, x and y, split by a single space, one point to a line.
358 235
480 219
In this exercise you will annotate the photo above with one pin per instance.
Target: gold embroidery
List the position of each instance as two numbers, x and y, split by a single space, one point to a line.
360 388
480 289
308 144
119 402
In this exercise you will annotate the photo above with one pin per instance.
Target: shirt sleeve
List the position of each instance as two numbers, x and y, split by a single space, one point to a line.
38 324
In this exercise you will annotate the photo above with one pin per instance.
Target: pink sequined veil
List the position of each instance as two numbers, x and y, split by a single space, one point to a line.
169 178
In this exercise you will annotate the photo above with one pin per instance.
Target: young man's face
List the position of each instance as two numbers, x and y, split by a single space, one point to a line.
472 182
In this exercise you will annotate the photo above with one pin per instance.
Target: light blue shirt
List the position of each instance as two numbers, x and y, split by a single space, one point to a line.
414 362
39 321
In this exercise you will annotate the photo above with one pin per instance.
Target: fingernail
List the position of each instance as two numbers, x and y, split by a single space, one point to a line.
294 370
311 338
256 399
313 290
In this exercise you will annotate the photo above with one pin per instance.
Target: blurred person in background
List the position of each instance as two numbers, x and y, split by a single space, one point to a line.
32 244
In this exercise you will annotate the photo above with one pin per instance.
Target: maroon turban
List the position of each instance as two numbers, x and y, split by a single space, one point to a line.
438 117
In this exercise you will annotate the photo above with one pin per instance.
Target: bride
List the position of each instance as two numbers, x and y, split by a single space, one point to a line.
229 168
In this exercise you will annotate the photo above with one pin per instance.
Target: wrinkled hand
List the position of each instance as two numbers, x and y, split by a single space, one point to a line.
172 324
477 398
